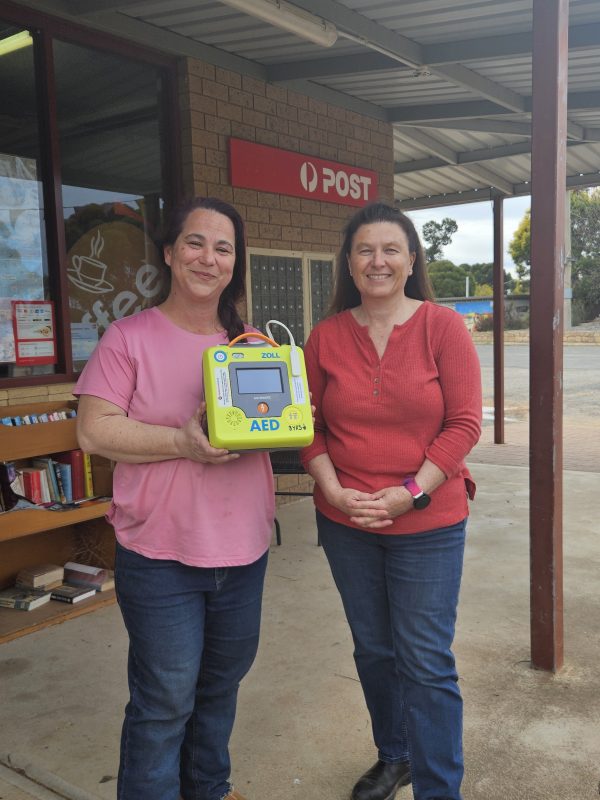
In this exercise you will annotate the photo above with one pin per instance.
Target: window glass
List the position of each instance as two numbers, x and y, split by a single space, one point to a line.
23 262
108 115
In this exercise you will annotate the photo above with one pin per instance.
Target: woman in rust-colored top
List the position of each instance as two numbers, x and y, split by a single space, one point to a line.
396 383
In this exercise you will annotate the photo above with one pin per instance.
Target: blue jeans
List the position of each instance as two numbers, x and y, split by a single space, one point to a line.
400 594
193 635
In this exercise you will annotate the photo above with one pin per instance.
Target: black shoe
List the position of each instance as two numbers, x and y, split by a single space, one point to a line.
382 781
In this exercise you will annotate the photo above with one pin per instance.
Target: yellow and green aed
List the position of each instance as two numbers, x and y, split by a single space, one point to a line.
257 395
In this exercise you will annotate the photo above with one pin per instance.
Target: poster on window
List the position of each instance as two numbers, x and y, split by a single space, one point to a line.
34 332
113 271
21 255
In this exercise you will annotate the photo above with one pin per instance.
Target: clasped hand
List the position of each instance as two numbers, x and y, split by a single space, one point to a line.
191 441
374 510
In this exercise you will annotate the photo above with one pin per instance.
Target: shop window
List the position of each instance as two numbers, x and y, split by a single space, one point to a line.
112 190
294 288
23 257
83 191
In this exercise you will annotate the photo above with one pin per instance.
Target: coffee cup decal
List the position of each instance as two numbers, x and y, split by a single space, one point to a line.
89 272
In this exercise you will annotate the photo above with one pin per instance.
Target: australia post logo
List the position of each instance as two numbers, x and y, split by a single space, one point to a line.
270 169
339 182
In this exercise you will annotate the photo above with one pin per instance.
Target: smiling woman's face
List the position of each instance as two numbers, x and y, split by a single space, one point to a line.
380 261
203 256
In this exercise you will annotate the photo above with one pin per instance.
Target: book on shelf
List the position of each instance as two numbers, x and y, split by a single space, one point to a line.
88 478
65 476
23 599
40 575
32 484
71 594
96 578
74 458
44 463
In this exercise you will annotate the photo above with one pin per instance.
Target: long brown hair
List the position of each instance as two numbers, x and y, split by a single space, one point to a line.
236 288
418 285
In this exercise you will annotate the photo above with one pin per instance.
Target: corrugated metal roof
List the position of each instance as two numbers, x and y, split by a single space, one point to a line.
453 78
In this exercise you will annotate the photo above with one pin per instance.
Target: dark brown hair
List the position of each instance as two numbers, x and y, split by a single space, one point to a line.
418 285
236 288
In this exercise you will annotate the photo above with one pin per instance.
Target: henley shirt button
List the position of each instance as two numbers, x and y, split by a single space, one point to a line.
376 380
375 392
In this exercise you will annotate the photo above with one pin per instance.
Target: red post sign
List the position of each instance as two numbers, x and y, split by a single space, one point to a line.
269 169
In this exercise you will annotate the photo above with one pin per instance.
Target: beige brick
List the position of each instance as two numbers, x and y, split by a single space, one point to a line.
331 239
270 231
248 197
326 123
198 155
214 89
200 69
268 200
299 129
193 187
320 223
308 118
336 140
269 138
318 106
255 214
277 93
203 138
297 100
291 233
217 125
278 125
229 78
303 218
252 230
266 105
206 105
230 111
242 131
241 98
220 190
216 158
253 85
290 203
287 112
281 244
256 241
278 217
313 237
251 117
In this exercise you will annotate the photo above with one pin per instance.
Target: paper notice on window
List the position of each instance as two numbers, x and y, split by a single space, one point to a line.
34 331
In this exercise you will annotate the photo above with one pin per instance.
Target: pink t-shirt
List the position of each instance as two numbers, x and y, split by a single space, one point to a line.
205 515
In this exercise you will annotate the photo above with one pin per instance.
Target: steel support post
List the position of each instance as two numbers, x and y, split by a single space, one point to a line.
498 283
549 116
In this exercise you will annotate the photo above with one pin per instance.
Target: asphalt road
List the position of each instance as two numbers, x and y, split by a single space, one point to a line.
581 374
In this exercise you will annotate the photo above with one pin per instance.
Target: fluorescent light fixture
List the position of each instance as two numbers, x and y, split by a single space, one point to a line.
289 18
16 42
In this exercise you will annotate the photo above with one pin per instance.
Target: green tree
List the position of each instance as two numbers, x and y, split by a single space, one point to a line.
585 253
519 248
482 274
448 280
438 235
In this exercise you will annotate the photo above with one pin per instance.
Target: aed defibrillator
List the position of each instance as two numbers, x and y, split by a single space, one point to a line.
257 394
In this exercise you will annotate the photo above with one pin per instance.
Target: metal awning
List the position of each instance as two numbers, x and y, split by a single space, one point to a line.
454 79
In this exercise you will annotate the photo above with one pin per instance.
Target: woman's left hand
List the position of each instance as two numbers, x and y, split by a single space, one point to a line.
394 500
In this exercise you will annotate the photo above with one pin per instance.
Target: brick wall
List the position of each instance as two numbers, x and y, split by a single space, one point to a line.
217 103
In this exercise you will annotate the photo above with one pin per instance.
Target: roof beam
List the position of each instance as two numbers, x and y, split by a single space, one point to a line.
328 67
502 126
491 178
435 147
577 101
484 87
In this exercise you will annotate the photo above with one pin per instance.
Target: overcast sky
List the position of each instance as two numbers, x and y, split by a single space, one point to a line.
473 242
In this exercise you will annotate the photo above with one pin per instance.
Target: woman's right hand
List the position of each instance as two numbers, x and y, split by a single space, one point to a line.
356 504
191 442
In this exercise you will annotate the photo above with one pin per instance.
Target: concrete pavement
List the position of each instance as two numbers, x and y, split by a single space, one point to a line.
302 728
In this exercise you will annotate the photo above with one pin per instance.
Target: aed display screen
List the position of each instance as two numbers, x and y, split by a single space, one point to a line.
258 381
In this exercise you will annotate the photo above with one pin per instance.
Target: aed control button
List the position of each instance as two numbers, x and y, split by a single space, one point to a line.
262 408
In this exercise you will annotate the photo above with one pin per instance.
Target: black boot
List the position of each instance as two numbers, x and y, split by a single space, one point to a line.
382 781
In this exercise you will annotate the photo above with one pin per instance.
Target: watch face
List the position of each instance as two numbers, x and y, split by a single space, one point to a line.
421 502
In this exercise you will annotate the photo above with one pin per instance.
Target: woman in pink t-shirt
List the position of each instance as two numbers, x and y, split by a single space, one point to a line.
193 523
396 383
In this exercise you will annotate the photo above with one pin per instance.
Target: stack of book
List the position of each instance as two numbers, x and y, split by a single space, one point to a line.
39 584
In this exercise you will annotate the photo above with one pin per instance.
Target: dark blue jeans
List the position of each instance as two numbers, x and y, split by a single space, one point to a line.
193 635
400 594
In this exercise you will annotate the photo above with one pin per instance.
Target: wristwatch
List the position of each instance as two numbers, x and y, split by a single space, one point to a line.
420 499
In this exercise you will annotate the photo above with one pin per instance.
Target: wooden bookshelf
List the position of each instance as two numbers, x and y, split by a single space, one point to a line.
15 623
52 536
